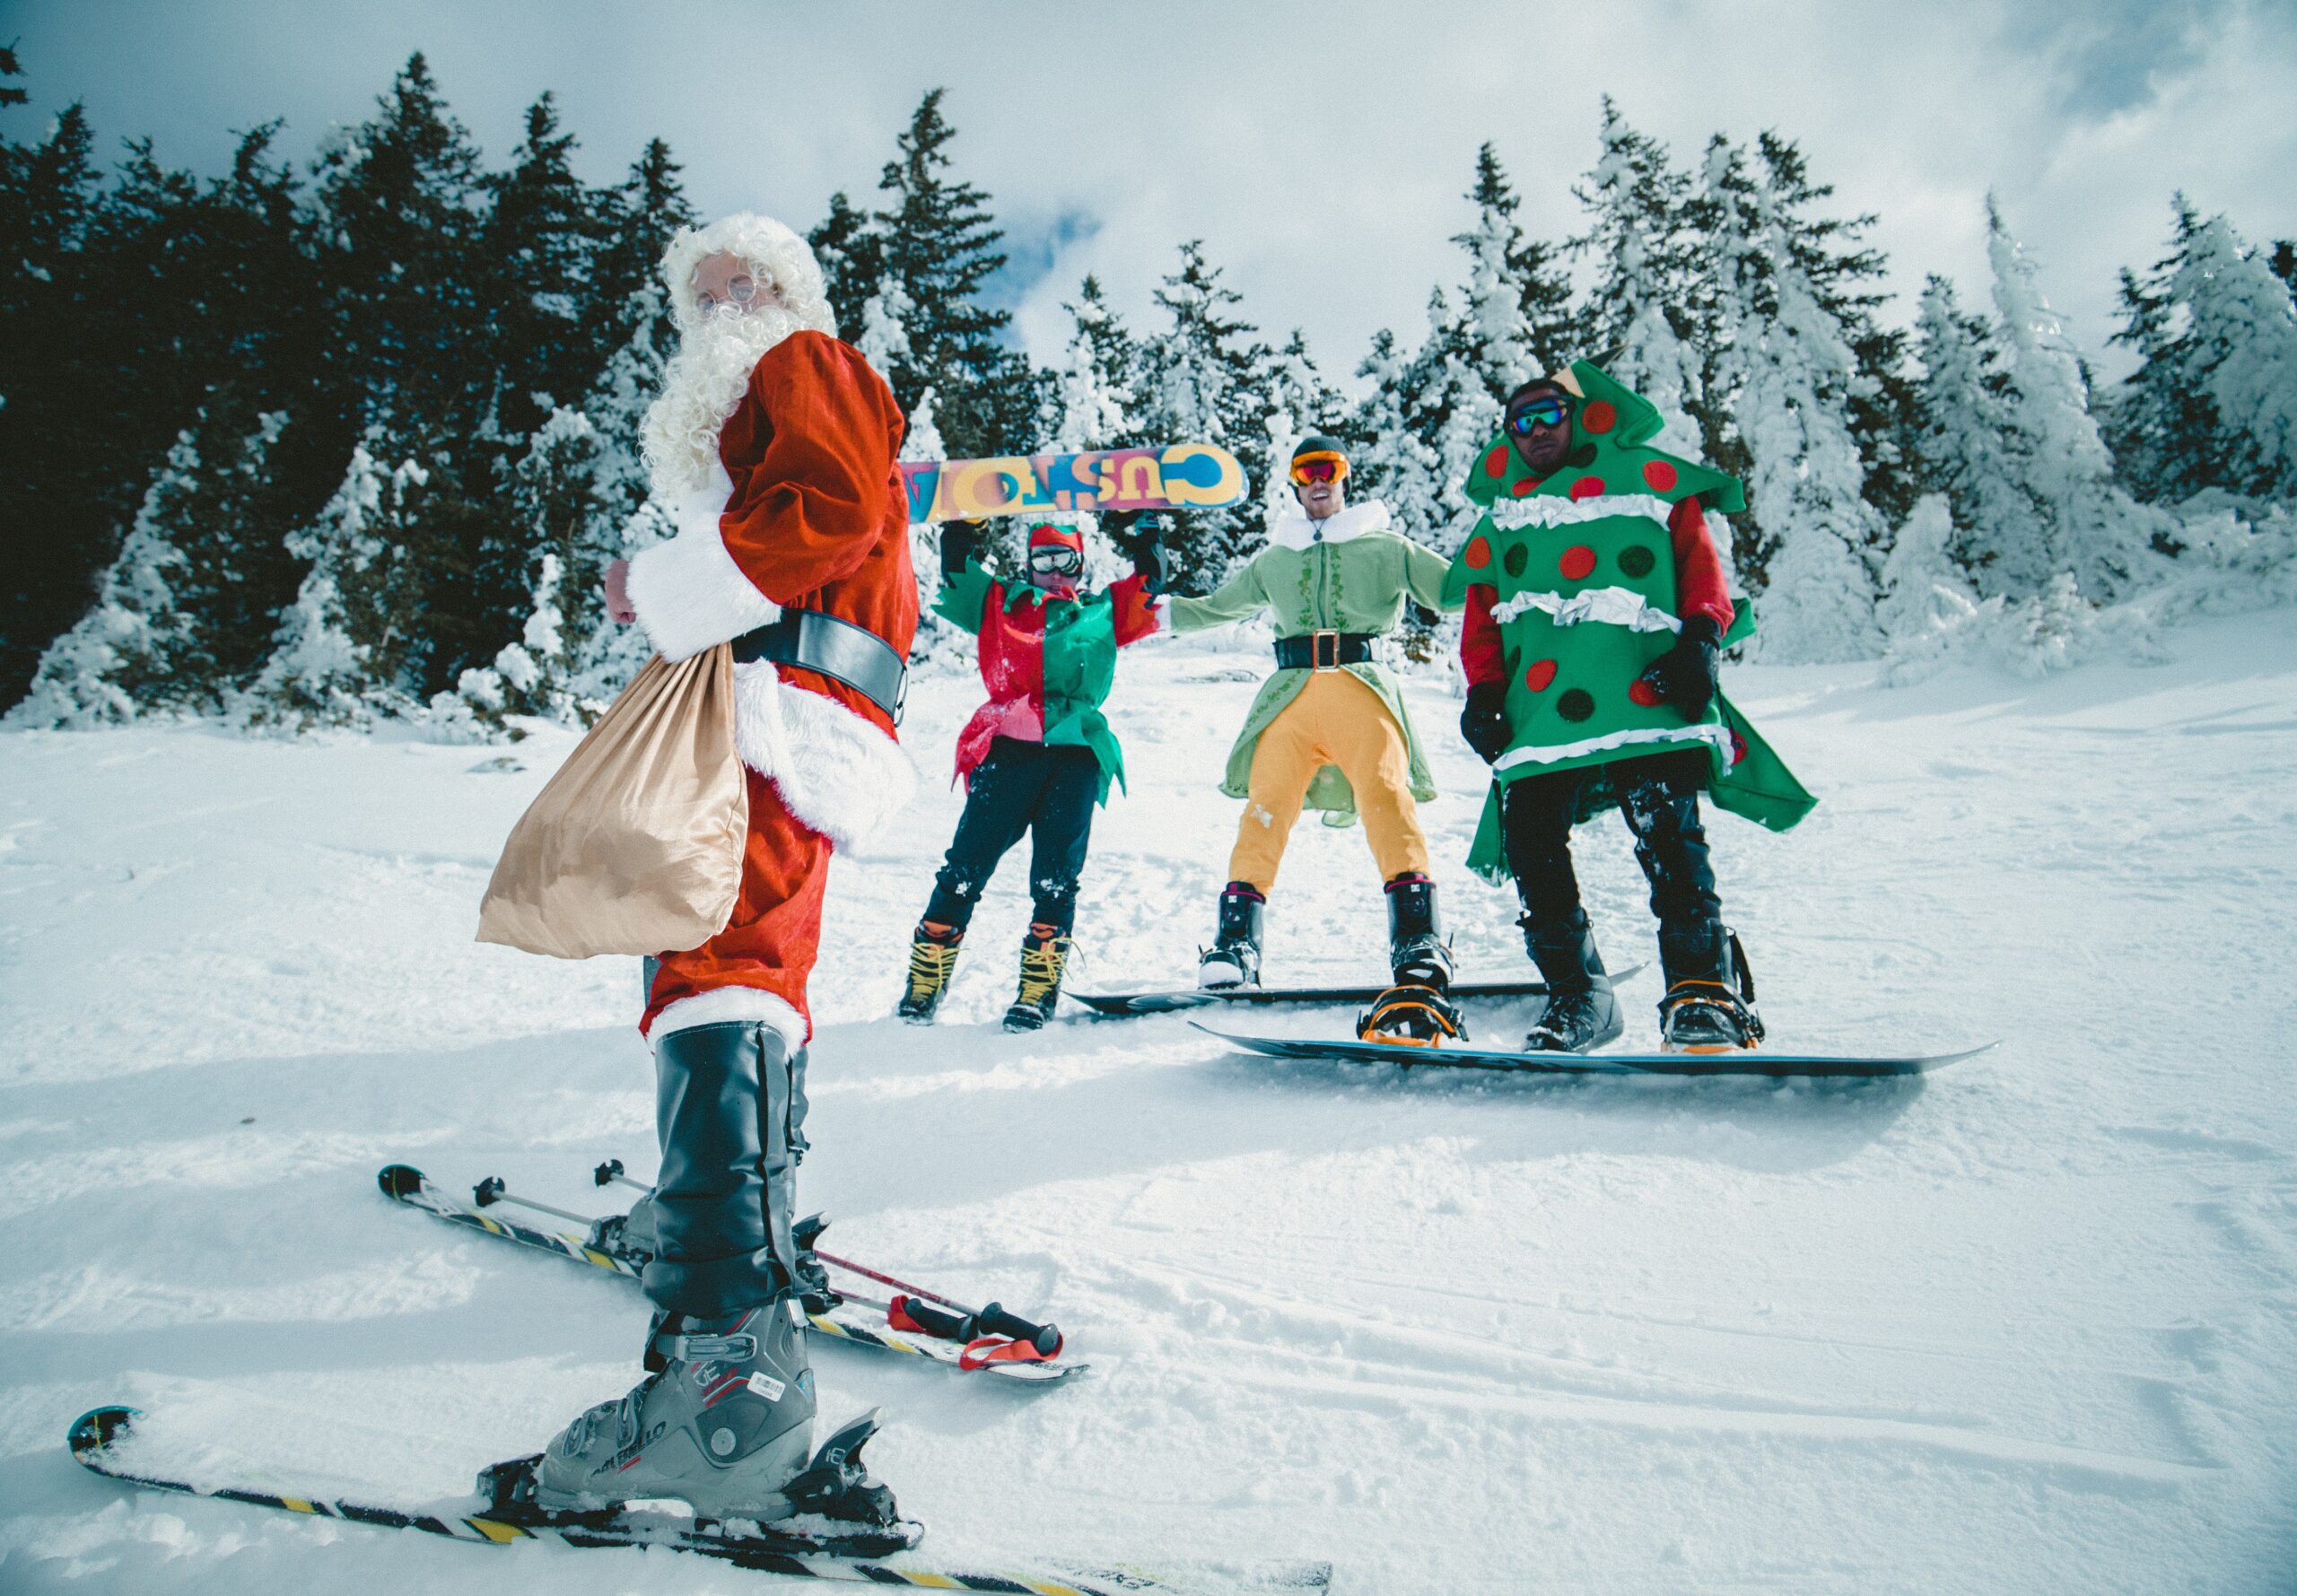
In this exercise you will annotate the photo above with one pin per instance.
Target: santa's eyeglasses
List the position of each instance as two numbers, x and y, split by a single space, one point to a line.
1550 411
741 293
1056 559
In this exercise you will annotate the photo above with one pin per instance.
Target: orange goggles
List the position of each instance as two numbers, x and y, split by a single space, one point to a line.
1323 466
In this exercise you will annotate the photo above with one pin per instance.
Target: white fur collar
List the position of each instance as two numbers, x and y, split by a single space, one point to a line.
1294 530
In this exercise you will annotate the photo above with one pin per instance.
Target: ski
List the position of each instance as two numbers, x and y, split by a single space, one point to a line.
1527 1063
1125 1004
849 1320
494 1516
1176 476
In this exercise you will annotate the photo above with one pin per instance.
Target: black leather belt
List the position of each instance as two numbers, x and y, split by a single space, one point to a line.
1322 651
839 649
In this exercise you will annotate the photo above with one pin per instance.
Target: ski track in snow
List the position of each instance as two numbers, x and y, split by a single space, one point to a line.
2026 1325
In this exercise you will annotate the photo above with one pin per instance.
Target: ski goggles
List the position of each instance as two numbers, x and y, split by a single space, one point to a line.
1323 466
1549 410
1056 559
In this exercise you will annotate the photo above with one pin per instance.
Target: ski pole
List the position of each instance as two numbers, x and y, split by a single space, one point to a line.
993 1320
490 1190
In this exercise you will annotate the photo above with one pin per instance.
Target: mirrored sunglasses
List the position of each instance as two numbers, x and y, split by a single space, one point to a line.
1539 412
1319 469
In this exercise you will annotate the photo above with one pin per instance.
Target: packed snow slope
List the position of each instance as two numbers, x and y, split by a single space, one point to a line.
2027 1325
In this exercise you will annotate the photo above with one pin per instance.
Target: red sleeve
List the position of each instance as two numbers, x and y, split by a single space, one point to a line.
1136 616
1480 652
811 509
1699 585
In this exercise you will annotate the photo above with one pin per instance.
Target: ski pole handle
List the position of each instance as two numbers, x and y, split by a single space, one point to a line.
906 1312
609 1173
994 1320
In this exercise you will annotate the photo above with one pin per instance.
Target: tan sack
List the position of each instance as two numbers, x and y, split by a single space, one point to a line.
635 846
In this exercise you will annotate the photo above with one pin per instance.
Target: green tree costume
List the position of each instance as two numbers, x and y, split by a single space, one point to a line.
1583 570
1348 574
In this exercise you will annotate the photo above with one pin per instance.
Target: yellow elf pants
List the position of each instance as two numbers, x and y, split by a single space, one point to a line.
1337 721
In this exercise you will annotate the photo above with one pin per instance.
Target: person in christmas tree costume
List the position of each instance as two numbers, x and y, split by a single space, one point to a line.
1596 610
1039 755
1329 731
772 445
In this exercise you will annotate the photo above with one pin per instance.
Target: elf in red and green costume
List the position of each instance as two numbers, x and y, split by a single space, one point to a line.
1596 610
1039 755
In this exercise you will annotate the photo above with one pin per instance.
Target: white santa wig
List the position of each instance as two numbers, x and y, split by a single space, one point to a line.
703 381
776 255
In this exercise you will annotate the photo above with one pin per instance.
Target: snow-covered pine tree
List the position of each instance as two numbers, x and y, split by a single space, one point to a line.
2238 351
1096 391
848 248
1203 380
2094 530
1968 451
2164 432
1496 325
1785 364
1922 587
1644 268
1394 463
338 658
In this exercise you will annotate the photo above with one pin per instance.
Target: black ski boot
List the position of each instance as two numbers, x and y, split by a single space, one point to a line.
1414 1012
1044 956
932 960
1710 1002
1582 1013
1234 958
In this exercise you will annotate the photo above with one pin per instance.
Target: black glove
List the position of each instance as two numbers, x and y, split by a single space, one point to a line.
960 542
1484 722
1153 563
1118 523
1685 675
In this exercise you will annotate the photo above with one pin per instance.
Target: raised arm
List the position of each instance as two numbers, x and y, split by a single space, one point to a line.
1423 576
1240 596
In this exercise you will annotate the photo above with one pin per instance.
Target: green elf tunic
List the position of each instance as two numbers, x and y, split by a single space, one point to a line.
1581 568
1349 572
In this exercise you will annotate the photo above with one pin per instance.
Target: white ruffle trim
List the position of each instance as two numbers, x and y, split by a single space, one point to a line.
738 1005
834 769
1549 510
1294 530
1714 732
1611 606
687 590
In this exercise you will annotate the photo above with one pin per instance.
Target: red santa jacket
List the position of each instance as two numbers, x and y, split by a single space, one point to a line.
1699 590
811 516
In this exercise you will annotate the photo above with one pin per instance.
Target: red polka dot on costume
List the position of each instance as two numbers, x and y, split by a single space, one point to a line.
1478 554
1643 693
1588 487
1599 417
1527 487
1577 561
1540 675
1738 747
1495 464
1659 475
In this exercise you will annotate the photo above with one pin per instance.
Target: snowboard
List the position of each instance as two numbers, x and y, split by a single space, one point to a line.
1176 476
102 1442
1121 1004
849 1321
1779 1064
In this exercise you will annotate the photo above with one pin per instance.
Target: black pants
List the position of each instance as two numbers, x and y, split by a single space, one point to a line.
1659 796
1048 792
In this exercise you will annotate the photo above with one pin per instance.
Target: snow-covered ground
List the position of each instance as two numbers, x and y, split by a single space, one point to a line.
2029 1325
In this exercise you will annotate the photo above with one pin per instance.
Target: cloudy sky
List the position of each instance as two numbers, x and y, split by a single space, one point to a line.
1320 151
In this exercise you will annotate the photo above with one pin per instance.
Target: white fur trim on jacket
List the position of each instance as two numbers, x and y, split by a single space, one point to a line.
687 590
1548 511
740 1005
1702 732
834 769
1296 531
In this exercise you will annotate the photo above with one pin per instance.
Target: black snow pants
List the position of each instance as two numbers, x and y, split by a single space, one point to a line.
1659 796
1047 791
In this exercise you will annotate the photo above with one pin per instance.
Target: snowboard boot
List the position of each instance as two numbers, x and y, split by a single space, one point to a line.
1710 1002
932 960
1418 952
1234 958
1409 1014
1582 1012
1044 955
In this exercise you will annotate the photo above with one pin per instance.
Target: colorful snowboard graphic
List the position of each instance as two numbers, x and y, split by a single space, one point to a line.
1178 477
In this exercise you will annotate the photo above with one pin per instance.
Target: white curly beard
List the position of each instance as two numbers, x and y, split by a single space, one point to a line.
702 386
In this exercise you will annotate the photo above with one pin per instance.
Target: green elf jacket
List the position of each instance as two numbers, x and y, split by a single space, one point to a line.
1350 572
1580 574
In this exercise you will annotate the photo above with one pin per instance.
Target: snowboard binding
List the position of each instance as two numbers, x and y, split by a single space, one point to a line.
1713 1016
1412 1016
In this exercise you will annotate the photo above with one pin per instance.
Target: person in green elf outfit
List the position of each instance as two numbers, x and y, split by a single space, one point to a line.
1596 610
1329 731
1039 755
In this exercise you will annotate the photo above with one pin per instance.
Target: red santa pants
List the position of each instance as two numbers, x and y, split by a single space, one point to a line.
775 934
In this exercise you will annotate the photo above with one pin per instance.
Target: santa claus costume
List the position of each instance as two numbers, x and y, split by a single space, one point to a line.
773 444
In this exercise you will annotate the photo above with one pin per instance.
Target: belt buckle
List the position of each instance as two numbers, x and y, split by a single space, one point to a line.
1316 640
